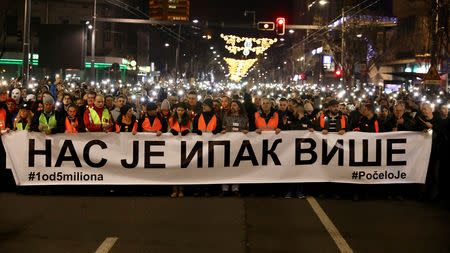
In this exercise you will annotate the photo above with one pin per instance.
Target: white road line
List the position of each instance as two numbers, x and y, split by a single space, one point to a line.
328 224
107 244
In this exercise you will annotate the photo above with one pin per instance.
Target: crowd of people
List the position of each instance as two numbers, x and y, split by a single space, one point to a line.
72 107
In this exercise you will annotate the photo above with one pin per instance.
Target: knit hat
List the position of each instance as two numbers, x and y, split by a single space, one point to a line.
165 105
208 102
48 99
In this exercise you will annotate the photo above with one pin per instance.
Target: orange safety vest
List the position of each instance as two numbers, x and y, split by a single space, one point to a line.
176 126
260 122
147 127
69 127
377 129
212 124
2 118
322 121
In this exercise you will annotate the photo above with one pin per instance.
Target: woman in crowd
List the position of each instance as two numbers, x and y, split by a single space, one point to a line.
23 119
126 122
235 120
179 123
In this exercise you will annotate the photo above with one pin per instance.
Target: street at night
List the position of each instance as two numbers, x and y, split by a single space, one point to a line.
61 223
251 126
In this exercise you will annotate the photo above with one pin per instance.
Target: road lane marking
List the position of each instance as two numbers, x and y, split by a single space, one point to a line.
328 224
107 244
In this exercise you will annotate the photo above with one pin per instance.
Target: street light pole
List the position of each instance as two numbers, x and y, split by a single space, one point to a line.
342 46
26 43
93 43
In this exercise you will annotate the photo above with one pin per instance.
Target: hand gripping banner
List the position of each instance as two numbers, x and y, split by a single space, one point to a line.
144 158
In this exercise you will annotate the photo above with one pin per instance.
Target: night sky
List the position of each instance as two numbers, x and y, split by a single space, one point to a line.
232 11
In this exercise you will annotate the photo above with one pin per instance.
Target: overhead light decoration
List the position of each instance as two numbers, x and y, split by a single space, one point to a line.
238 68
262 44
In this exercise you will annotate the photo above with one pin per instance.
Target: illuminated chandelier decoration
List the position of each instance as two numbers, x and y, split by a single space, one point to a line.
262 44
238 68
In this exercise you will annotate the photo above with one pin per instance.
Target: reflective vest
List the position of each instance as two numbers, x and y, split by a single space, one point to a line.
377 129
69 127
96 119
147 127
19 126
47 125
260 122
212 124
322 121
174 125
2 119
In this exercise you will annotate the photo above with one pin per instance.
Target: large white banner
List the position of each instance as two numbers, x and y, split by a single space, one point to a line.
291 156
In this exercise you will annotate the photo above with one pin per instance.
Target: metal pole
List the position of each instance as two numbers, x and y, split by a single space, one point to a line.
343 47
434 32
177 54
93 43
26 43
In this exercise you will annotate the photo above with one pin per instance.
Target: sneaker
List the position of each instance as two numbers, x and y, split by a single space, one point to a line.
301 195
288 195
173 195
180 194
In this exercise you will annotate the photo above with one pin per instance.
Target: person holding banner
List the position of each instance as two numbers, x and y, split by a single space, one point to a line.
235 120
300 122
23 119
92 119
426 122
151 121
369 122
207 120
266 119
73 122
179 124
126 122
333 120
48 121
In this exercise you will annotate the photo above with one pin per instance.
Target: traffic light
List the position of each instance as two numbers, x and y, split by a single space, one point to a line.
338 72
280 26
266 26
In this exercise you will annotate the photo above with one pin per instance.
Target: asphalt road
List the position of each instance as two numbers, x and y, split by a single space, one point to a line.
78 223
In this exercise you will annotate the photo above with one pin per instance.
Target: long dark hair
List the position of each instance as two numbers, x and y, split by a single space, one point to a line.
242 111
185 117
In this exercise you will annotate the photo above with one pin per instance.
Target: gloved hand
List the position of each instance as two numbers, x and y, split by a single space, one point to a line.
199 132
173 132
185 132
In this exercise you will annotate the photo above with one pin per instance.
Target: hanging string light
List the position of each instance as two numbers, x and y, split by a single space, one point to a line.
231 40
238 68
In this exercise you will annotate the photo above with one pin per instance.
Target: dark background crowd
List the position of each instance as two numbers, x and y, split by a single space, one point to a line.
67 106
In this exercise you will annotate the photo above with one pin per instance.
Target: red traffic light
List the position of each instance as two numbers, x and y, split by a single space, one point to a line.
338 72
280 26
